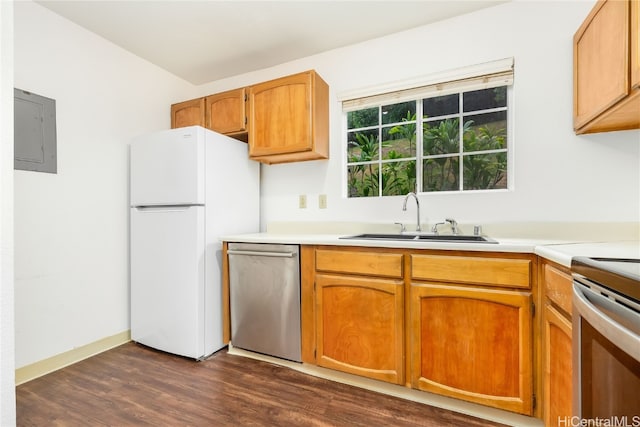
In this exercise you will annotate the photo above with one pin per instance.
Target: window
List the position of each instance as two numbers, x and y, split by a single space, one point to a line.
446 136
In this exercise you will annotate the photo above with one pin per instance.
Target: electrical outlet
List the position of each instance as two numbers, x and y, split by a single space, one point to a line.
322 201
302 201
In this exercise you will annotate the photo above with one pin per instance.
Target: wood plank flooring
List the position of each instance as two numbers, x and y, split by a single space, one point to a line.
133 385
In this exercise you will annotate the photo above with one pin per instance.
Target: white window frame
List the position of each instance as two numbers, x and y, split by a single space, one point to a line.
481 76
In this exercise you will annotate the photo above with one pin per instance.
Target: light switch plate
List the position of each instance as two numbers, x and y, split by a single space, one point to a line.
302 201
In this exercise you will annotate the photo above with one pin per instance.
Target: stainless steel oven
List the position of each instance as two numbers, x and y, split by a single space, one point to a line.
606 341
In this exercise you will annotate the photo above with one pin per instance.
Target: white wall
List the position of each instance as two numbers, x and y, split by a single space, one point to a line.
71 228
7 346
554 169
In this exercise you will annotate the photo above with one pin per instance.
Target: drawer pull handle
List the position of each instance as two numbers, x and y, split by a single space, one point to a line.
258 253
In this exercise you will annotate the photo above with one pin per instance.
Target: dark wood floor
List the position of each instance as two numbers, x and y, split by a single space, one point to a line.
135 385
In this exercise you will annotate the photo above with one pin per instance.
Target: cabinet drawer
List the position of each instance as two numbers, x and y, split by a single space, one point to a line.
369 263
479 270
557 287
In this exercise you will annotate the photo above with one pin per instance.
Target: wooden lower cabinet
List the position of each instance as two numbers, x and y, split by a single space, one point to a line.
557 364
473 343
557 367
454 323
359 326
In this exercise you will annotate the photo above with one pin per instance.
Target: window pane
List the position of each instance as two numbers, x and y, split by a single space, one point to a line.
485 131
363 180
362 146
463 139
441 137
399 141
398 178
485 171
441 174
362 118
404 111
484 99
441 105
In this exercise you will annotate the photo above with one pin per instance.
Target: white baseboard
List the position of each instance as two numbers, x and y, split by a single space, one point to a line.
46 366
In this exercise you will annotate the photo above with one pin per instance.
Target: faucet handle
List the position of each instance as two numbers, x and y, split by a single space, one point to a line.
402 227
434 229
454 225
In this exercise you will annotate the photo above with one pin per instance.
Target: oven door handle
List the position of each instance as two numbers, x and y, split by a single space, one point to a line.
587 304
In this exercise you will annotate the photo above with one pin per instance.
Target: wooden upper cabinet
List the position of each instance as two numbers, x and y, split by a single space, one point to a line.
289 119
605 69
188 113
635 44
284 120
226 112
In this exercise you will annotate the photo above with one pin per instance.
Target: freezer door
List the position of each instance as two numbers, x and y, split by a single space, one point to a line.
167 168
168 299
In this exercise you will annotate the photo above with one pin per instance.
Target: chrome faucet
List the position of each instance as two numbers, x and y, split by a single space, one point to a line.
404 208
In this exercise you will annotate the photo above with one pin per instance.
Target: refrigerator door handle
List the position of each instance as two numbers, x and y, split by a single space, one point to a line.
163 208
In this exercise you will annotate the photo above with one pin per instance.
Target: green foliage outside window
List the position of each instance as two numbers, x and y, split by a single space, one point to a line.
382 158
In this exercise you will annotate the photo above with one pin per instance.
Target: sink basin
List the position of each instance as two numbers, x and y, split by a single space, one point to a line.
458 238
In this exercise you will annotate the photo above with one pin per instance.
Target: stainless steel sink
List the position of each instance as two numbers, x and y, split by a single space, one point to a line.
451 238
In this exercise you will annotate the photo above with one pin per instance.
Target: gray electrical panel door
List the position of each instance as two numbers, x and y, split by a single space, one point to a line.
34 132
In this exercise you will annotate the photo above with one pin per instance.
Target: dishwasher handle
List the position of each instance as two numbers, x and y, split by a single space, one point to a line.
259 253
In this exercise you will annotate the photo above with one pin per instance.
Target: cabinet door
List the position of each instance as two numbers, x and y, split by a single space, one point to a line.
289 119
281 116
359 325
557 367
601 61
635 44
226 111
558 286
473 344
188 113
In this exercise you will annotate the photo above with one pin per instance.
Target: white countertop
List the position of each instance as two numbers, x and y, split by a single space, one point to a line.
563 253
559 251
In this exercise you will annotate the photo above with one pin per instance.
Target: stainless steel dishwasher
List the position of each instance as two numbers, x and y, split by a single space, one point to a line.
264 281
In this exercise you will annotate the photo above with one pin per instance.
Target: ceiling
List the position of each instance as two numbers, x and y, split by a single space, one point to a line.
203 41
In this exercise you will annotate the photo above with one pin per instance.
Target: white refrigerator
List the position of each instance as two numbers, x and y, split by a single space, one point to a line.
188 187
